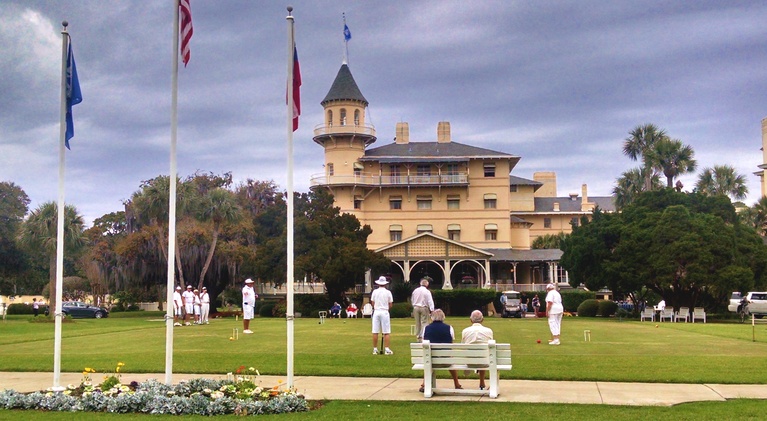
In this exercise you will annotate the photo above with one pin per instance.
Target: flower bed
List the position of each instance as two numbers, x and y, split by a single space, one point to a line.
240 395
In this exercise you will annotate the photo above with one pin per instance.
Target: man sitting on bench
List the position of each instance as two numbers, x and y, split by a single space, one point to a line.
477 334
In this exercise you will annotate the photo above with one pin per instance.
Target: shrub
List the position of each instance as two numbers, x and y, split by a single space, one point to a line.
572 299
280 309
401 291
308 303
588 308
400 310
267 309
461 302
607 308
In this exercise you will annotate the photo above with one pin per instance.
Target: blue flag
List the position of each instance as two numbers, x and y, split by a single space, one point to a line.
74 96
347 33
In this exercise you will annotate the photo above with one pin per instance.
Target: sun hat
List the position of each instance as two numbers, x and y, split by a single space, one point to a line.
178 287
188 286
248 281
204 288
382 281
551 286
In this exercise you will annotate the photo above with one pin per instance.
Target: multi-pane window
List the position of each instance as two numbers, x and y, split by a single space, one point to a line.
330 117
574 221
491 201
453 201
546 222
343 116
454 232
356 117
513 188
489 170
394 170
331 172
357 202
491 232
424 202
395 202
395 232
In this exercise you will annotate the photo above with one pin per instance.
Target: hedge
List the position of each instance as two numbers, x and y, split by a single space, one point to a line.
461 302
400 310
21 308
588 308
572 299
607 308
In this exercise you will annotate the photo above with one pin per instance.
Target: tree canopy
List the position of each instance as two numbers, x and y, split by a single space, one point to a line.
689 248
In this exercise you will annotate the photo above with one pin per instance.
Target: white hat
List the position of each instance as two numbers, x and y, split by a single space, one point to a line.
178 287
551 286
382 281
248 281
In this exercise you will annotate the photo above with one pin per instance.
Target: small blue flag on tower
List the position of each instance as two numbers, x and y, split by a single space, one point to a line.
74 96
347 33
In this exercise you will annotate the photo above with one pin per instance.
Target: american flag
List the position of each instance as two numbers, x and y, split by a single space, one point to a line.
185 15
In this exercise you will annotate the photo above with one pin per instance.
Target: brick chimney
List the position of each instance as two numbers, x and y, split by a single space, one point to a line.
402 133
443 132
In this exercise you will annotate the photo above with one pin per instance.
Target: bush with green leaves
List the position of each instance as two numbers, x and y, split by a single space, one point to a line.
607 308
21 308
401 310
572 299
588 308
266 309
461 302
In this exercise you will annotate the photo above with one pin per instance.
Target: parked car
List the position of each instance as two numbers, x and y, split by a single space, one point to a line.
79 309
512 306
757 303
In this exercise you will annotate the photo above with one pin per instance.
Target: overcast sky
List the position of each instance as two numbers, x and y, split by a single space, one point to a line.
558 83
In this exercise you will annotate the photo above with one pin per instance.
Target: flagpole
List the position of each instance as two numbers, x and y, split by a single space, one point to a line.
290 315
346 42
172 201
58 315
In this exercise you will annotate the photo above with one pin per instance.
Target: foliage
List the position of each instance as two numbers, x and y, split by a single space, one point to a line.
124 300
461 302
588 308
549 241
607 308
21 308
203 397
402 291
722 180
571 299
266 309
690 249
14 203
400 310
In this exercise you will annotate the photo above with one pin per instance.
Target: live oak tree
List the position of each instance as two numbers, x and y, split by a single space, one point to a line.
688 248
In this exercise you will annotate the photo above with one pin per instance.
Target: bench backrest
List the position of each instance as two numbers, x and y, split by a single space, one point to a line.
460 354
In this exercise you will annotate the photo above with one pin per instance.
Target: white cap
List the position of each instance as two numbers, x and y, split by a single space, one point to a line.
551 286
382 281
248 281
178 287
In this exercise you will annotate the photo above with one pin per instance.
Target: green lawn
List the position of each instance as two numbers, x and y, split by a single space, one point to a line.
618 351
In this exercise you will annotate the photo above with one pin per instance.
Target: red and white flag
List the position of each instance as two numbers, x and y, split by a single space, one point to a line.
296 89
185 16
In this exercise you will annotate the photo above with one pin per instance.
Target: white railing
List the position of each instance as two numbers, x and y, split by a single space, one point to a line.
298 288
364 129
390 180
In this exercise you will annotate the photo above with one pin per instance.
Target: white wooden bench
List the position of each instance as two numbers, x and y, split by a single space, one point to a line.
431 358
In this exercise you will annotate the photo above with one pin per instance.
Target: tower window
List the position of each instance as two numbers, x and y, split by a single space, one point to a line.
489 170
343 116
330 118
331 172
356 117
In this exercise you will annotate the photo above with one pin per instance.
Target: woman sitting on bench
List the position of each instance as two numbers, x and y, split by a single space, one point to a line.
439 332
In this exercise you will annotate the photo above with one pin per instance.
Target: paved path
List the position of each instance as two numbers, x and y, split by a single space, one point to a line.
393 389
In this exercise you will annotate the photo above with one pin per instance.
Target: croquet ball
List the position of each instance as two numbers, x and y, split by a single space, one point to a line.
231 338
539 341
656 325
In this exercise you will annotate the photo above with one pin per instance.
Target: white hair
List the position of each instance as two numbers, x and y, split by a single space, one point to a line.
476 316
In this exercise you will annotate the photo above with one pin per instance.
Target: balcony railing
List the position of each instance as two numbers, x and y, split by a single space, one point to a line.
363 129
391 180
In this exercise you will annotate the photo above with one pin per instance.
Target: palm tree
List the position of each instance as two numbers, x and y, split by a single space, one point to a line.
631 184
39 231
218 206
756 216
722 180
637 146
672 158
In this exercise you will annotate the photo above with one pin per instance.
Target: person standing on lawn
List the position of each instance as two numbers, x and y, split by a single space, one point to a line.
35 307
554 310
188 298
197 307
178 305
205 309
536 304
382 301
249 297
423 305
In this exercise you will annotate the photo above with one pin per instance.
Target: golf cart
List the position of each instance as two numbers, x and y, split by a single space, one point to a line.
511 304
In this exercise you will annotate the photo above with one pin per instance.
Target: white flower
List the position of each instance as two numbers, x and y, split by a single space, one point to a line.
71 386
217 395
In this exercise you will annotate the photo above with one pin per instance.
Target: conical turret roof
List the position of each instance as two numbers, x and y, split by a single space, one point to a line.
344 88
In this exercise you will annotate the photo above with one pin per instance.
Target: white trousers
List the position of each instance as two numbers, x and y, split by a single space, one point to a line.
555 323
